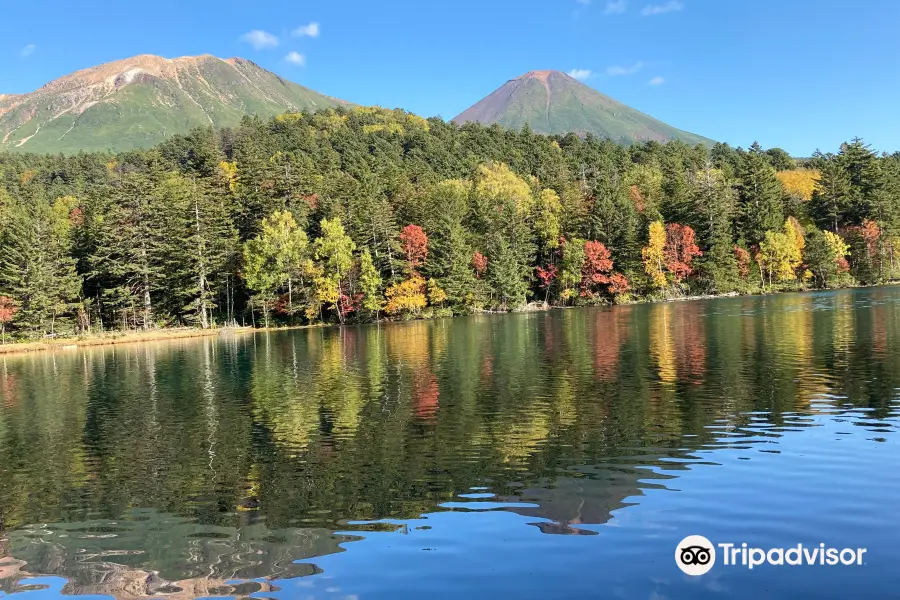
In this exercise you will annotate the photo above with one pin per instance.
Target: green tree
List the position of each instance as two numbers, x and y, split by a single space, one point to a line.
36 268
335 249
832 196
715 206
277 260
370 283
760 206
505 203
200 247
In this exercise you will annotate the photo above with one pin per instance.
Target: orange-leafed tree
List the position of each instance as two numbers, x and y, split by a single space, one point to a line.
742 258
415 245
479 263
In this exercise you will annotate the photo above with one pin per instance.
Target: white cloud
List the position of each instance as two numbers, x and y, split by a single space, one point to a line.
581 74
311 30
629 70
27 51
295 58
657 80
615 7
260 40
661 9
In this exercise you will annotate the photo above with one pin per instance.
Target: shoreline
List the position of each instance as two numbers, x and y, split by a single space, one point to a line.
161 335
110 339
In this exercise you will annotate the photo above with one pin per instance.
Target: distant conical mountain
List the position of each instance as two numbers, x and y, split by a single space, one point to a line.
553 102
140 101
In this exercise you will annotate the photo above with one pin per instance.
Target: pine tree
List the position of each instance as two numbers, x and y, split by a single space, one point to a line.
831 198
714 202
616 222
760 205
201 246
504 203
37 270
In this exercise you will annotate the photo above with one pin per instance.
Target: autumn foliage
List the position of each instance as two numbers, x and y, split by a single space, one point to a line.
653 254
8 310
742 258
479 263
680 250
672 248
597 265
408 296
799 182
870 233
547 276
618 284
415 246
597 270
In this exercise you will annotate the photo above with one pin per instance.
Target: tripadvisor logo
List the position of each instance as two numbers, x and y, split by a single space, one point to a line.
696 555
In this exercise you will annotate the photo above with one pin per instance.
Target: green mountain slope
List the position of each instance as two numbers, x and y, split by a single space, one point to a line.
140 101
553 102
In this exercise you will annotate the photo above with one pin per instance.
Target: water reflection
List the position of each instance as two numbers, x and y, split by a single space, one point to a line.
209 467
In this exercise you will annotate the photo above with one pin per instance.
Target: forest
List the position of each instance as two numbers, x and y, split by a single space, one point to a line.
362 214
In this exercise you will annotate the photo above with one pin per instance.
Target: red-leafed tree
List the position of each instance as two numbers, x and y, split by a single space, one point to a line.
415 245
479 263
8 310
546 276
870 232
618 284
742 257
597 265
680 250
597 270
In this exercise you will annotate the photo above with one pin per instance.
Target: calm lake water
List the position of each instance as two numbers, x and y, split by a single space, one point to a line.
551 455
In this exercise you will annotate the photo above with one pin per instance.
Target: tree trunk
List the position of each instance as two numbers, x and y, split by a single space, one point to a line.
201 268
147 305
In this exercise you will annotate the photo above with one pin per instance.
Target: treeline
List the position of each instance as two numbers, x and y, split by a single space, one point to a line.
360 214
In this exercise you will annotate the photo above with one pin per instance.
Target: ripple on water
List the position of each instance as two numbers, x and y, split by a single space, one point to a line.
558 455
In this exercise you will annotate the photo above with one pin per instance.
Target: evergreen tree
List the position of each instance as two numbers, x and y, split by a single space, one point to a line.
760 206
832 195
714 202
130 252
37 270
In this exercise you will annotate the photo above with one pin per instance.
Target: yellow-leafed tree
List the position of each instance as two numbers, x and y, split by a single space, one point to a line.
800 183
654 256
408 296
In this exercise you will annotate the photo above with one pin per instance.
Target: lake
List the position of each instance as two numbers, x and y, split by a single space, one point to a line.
551 455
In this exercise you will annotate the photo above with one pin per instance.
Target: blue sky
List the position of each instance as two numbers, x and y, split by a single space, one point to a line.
799 74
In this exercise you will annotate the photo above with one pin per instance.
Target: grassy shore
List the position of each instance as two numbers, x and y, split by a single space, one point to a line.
118 337
115 337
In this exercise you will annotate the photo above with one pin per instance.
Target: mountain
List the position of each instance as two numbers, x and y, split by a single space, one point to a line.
553 102
140 101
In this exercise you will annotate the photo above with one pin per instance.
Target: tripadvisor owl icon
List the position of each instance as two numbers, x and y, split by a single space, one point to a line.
695 555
